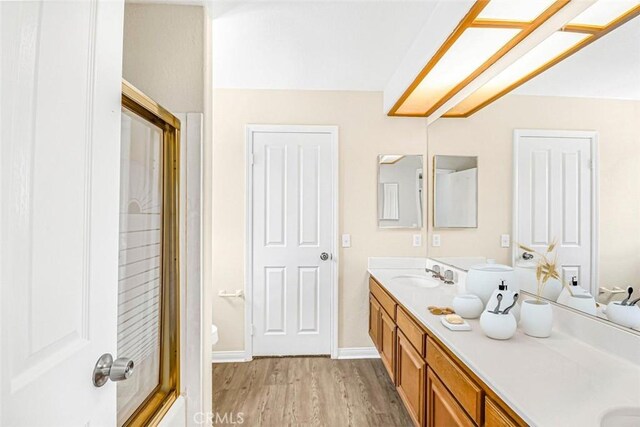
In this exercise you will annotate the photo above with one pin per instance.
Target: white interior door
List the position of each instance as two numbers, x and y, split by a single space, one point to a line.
554 191
293 223
61 85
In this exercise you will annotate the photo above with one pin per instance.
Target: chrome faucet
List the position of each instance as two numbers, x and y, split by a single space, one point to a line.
610 293
436 272
448 277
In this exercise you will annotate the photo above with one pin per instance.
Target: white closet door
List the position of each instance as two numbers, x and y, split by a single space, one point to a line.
292 228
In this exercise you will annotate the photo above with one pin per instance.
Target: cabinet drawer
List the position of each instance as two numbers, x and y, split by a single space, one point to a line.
463 388
383 298
442 409
411 330
494 416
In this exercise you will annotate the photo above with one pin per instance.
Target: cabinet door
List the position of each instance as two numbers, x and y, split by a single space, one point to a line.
442 408
388 344
410 379
374 321
494 416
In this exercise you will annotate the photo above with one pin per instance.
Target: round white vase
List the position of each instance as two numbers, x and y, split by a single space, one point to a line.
552 289
625 315
536 318
483 279
498 326
468 306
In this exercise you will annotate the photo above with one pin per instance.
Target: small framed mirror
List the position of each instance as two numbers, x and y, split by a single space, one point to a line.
455 192
400 191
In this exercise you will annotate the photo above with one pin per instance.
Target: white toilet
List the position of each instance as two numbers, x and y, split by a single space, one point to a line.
214 335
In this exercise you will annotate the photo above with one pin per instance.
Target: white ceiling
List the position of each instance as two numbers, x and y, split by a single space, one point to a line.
343 45
608 68
358 45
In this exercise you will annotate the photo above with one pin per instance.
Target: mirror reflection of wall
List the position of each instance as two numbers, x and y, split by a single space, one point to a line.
455 192
400 191
561 184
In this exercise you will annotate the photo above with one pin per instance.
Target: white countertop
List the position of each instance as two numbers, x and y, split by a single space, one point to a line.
555 381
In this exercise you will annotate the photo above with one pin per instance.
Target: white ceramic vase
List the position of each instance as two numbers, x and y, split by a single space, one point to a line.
468 306
483 279
552 289
498 326
625 315
536 318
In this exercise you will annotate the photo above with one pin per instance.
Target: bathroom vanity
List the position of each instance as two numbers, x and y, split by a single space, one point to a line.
436 387
453 378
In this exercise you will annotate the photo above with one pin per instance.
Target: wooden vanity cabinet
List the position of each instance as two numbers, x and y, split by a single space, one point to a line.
443 410
494 416
374 321
437 389
387 344
411 378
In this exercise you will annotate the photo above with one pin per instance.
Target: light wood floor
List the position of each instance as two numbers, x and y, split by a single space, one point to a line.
305 391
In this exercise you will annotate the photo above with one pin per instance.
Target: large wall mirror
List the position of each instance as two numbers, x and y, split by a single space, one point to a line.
400 188
455 192
560 177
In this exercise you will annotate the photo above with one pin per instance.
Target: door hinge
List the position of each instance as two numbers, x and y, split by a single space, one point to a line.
253 330
251 159
590 164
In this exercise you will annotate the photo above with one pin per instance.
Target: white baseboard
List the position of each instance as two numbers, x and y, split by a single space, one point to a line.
358 353
229 357
343 353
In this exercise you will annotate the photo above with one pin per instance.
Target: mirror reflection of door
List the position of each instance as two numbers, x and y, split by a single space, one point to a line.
555 199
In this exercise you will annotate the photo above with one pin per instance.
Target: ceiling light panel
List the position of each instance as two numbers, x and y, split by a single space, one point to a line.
514 10
474 47
604 12
523 69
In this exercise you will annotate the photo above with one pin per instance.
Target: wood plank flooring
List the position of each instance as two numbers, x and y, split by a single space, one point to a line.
306 391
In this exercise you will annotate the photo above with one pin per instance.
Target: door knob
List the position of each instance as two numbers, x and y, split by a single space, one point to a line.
108 369
325 256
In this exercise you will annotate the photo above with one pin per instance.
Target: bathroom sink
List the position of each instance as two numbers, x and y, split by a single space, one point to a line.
621 417
415 280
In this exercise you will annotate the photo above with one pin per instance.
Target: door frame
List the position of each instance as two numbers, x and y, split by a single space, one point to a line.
250 129
518 135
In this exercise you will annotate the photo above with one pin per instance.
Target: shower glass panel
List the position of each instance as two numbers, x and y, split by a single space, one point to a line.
140 260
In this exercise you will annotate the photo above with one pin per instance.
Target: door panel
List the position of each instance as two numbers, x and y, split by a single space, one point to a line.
292 222
374 321
442 408
61 76
554 200
410 379
388 344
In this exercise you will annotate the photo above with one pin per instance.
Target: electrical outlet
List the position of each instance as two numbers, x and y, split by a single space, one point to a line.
435 240
417 240
346 240
505 240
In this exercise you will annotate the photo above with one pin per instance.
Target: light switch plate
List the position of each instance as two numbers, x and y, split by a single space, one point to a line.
435 240
417 240
346 240
505 240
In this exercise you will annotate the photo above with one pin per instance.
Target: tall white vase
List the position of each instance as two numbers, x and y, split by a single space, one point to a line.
536 318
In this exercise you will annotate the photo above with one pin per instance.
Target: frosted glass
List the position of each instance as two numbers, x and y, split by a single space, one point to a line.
140 256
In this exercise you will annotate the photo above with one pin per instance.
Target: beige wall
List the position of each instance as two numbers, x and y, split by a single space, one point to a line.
364 132
164 54
488 134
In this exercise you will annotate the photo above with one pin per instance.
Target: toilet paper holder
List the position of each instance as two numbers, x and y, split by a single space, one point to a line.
239 293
